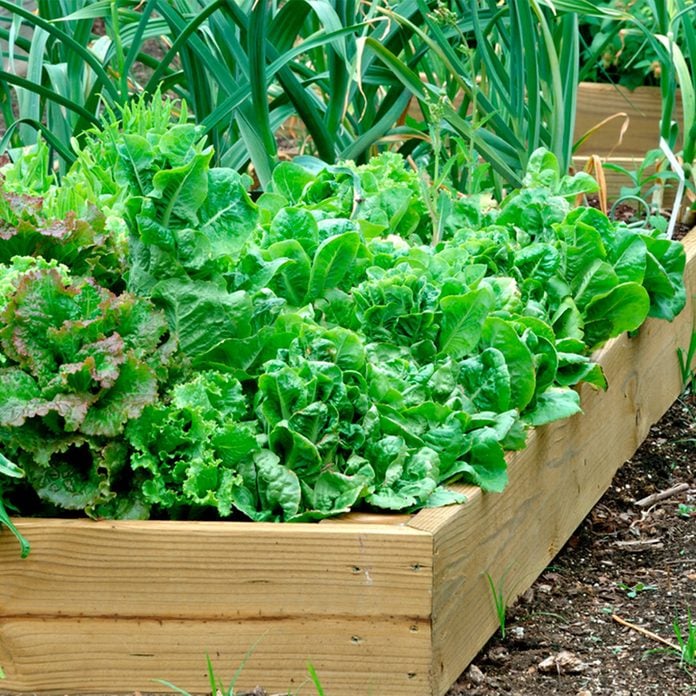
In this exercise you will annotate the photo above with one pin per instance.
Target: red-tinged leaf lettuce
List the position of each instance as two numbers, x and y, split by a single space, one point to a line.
80 363
84 245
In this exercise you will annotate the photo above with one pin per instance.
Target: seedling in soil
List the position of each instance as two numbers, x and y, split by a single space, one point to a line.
686 641
217 687
632 591
686 358
315 679
499 602
686 511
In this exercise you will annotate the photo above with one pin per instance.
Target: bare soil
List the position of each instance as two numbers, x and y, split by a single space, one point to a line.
626 562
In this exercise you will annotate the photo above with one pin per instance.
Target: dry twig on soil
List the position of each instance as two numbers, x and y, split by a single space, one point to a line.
644 631
661 495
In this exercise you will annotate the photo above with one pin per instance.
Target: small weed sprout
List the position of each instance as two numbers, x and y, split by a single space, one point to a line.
632 591
686 358
686 511
499 602
217 688
686 641
315 679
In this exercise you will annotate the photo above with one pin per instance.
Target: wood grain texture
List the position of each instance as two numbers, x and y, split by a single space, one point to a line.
214 570
388 655
554 483
108 606
641 109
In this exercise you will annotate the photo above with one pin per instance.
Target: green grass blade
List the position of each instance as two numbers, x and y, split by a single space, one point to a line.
315 679
174 687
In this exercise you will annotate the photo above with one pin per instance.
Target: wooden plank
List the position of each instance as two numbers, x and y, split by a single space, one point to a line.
554 483
642 107
108 606
380 518
380 656
239 569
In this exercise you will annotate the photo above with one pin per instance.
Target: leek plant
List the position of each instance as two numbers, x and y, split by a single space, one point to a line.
243 67
56 75
508 72
502 76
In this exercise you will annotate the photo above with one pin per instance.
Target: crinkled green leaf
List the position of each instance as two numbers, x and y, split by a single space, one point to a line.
462 321
201 315
134 389
279 488
331 262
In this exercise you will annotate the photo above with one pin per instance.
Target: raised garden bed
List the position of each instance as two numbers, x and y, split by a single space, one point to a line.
378 604
641 109
625 138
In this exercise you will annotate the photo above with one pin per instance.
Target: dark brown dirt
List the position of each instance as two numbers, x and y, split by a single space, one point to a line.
626 561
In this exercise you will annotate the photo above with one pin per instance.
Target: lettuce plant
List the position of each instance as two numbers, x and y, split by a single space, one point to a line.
193 353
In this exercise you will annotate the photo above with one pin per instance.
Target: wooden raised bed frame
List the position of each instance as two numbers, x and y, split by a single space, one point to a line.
378 604
632 130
